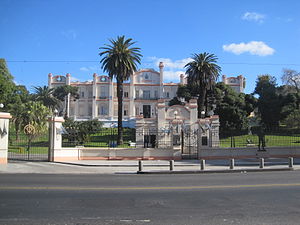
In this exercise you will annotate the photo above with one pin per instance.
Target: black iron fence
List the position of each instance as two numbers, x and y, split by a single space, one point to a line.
106 137
260 139
23 147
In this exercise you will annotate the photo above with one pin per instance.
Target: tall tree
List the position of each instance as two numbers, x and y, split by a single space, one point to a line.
269 101
7 86
120 60
45 95
203 72
292 79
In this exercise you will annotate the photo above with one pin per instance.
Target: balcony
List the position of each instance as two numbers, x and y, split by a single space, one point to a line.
146 98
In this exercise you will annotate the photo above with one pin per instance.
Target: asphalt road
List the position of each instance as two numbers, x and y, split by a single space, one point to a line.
245 198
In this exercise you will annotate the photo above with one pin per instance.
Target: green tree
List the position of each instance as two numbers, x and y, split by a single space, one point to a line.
35 115
81 131
7 86
233 108
45 95
269 103
203 72
120 60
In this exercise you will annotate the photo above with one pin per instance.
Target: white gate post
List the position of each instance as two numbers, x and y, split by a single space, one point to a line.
4 128
55 139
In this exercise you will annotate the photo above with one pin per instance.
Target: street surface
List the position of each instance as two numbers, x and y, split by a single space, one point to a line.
244 198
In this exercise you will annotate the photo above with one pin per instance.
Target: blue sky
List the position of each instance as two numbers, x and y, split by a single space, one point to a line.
61 36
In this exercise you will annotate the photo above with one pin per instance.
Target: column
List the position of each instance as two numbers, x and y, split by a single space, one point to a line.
55 138
4 128
111 99
68 82
95 96
161 87
131 98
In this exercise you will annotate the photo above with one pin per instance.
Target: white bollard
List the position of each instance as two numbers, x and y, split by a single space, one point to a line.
291 162
202 164
231 166
140 165
171 165
261 163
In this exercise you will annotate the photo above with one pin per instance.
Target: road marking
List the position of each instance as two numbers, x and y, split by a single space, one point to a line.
68 188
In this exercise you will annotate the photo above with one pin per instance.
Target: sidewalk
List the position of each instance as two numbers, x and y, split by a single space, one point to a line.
149 166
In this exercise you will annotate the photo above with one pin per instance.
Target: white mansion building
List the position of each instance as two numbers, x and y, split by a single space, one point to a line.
98 98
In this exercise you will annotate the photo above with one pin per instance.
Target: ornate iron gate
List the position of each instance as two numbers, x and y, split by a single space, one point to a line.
25 148
189 144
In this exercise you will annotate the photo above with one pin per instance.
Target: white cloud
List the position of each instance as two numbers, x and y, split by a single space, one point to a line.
88 68
169 63
69 34
172 68
74 79
85 69
253 47
253 16
172 75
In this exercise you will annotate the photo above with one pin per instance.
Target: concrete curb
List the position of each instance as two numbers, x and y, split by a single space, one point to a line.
215 171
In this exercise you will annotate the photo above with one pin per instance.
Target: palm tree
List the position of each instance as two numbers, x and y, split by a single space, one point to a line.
203 72
120 60
45 95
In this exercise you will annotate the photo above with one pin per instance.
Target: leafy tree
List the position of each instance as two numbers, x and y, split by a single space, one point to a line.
120 60
202 72
233 108
292 80
7 85
45 95
81 131
293 119
175 101
36 115
270 103
17 107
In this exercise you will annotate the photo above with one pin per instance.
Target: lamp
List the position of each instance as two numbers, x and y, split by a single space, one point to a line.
55 112
202 114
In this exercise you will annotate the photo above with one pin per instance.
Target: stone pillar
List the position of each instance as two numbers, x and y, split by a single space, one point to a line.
50 80
162 136
68 82
194 113
111 99
55 138
4 128
161 87
182 79
95 95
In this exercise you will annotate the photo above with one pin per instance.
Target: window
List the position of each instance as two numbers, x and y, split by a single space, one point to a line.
137 111
167 94
137 93
82 94
125 94
146 94
156 94
146 76
102 110
90 94
125 112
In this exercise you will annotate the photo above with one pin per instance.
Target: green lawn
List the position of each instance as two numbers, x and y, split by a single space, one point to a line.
271 141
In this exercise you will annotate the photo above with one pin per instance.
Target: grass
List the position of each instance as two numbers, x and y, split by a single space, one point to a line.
271 141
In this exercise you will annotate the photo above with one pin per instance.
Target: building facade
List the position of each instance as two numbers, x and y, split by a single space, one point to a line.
98 98
236 83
